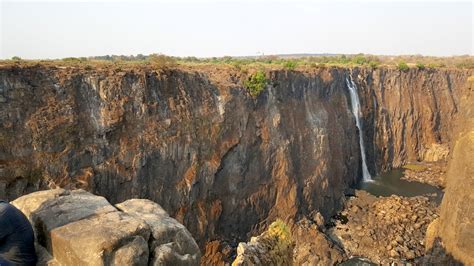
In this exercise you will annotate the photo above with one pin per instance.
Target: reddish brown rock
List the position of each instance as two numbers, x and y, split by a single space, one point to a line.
222 162
451 237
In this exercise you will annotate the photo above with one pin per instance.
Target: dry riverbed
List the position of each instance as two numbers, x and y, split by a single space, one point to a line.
384 229
429 173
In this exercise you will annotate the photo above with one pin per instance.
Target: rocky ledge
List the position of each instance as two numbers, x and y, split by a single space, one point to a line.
385 229
78 228
432 173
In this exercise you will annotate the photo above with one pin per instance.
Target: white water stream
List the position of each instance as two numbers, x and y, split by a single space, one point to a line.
355 103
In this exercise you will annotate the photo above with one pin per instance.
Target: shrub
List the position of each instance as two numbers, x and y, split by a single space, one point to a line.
289 65
161 61
282 251
279 229
402 66
71 59
374 64
256 83
420 66
16 58
359 59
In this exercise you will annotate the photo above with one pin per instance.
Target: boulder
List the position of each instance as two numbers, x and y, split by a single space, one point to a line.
170 241
79 228
99 240
64 205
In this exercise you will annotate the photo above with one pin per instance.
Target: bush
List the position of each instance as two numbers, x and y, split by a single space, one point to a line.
279 229
420 66
282 251
256 83
16 58
374 64
289 65
402 66
161 61
74 59
359 59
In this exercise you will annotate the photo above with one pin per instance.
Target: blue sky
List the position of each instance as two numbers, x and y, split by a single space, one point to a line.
210 28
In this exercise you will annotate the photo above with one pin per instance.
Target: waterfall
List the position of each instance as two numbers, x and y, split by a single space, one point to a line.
355 103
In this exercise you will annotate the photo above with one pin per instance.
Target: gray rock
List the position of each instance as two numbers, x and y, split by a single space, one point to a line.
93 241
171 242
134 253
65 206
79 228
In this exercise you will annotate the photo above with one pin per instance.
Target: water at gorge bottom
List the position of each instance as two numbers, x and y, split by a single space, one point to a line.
390 183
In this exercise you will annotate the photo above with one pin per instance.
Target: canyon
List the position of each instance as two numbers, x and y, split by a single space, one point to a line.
222 162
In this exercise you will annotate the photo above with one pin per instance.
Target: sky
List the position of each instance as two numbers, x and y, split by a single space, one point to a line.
58 29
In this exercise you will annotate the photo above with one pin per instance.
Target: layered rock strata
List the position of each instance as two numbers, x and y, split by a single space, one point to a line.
195 141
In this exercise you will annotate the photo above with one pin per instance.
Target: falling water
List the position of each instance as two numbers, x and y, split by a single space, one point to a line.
355 103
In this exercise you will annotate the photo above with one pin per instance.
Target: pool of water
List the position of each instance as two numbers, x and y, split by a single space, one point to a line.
390 183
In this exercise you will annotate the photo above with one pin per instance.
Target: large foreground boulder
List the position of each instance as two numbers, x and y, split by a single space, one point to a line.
170 240
79 228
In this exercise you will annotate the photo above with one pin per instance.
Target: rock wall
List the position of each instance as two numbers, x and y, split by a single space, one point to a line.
193 140
196 142
408 116
78 228
453 232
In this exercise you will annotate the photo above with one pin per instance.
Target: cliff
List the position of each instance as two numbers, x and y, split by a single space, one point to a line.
195 141
451 237
408 116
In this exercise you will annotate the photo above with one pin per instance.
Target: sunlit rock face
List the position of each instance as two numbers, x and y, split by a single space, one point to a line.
450 239
217 159
408 116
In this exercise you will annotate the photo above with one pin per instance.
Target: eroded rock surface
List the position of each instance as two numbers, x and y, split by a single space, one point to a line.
171 243
451 237
313 247
78 228
218 160
273 247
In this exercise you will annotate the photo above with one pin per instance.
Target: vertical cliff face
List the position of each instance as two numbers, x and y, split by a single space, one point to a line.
194 141
214 157
408 116
455 227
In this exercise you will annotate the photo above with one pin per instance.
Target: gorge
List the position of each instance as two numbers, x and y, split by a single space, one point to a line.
222 162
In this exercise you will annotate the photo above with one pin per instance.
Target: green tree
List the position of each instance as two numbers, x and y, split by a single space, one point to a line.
256 83
420 66
402 66
289 65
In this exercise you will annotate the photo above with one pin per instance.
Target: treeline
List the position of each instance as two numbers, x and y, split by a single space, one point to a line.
288 61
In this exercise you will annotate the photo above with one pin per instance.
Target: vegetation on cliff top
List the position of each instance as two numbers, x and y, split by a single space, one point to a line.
289 62
256 83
